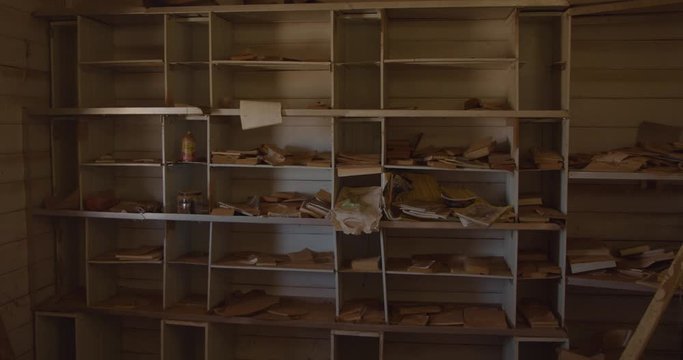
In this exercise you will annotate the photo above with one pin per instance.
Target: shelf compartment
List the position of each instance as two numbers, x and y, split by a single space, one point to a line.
130 137
114 38
541 44
56 336
187 243
296 134
451 33
403 346
448 88
269 239
121 60
106 236
357 54
356 345
298 35
64 61
187 38
184 340
234 342
188 84
234 83
186 288
538 349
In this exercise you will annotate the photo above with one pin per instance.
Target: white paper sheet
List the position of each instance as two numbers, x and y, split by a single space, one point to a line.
256 114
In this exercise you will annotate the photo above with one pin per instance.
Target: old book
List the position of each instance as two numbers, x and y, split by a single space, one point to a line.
634 250
530 200
478 265
365 264
272 154
450 317
291 311
480 148
358 170
140 253
580 264
303 256
223 211
239 304
414 319
352 312
480 213
424 266
485 317
538 315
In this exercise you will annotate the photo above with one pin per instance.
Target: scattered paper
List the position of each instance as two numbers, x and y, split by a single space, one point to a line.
256 114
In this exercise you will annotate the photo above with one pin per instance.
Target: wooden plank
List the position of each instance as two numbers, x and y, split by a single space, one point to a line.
366 5
619 6
641 336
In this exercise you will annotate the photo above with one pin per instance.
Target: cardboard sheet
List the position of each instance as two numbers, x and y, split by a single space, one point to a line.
256 114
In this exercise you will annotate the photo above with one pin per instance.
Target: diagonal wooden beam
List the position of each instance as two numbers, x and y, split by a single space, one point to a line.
619 6
648 323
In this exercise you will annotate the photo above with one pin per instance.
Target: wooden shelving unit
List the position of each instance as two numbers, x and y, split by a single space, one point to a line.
144 80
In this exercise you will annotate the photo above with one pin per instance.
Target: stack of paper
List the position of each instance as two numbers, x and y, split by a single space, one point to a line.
588 255
538 315
547 159
358 164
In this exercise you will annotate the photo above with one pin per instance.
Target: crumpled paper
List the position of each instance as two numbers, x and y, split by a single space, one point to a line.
358 210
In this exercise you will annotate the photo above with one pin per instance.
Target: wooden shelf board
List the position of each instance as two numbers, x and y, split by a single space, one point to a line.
468 63
609 282
555 277
369 63
266 166
539 170
431 168
122 164
599 175
124 262
183 217
352 271
455 225
195 65
448 274
284 267
74 305
277 65
115 111
369 5
363 113
151 65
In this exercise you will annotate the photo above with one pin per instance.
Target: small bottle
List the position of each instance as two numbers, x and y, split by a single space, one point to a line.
188 147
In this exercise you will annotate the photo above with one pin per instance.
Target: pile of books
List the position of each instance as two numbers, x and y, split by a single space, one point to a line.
358 164
547 159
270 154
586 255
280 204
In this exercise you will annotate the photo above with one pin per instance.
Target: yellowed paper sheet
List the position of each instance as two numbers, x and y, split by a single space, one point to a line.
256 114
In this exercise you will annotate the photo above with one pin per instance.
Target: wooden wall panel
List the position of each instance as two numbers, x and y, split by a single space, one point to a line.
24 75
625 70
